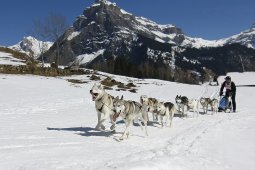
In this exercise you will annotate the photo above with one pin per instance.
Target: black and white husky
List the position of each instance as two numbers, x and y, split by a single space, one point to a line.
166 109
181 102
129 111
104 106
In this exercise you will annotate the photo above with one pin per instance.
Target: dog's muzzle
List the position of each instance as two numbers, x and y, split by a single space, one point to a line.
94 95
142 101
178 101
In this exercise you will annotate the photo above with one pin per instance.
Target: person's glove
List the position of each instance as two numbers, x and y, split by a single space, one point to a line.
221 93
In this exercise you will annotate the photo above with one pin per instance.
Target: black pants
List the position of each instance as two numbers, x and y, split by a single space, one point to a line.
233 97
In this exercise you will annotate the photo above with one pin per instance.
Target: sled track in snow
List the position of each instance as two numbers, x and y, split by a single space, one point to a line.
179 145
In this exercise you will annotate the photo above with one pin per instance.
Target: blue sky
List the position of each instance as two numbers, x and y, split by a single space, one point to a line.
208 19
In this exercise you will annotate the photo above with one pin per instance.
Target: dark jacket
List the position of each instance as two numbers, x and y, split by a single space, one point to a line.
233 88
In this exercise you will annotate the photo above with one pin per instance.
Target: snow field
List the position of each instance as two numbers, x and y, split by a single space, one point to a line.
48 123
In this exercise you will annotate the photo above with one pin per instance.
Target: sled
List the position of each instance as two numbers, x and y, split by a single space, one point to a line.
225 104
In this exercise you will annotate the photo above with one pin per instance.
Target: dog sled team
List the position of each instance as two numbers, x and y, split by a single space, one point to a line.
111 107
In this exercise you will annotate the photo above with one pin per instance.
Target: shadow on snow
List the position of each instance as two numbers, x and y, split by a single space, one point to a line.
85 131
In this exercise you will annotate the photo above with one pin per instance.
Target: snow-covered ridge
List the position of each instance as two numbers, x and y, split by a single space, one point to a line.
246 38
200 42
146 21
105 2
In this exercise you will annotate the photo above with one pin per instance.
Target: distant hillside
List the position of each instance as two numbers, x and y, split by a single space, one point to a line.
16 54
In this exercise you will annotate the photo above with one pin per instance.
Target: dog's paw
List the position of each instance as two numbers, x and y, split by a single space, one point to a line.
97 127
102 127
112 127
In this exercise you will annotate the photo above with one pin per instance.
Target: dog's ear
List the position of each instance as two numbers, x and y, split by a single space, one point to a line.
101 86
121 97
117 98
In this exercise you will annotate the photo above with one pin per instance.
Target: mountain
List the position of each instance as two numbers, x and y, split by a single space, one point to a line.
107 38
246 38
31 46
105 26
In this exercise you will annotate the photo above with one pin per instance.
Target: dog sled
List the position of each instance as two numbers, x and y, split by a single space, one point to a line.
225 104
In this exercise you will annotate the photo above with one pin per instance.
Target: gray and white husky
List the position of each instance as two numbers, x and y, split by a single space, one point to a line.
214 105
150 104
205 101
129 111
166 109
181 102
104 106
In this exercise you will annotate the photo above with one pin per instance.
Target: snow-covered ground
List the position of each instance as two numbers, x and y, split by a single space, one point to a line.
48 123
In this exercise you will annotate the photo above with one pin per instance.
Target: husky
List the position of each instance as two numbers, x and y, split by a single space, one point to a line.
181 102
166 109
194 105
214 105
205 101
150 104
129 111
104 106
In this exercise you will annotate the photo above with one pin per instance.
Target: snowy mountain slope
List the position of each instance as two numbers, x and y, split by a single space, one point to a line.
52 127
8 59
31 46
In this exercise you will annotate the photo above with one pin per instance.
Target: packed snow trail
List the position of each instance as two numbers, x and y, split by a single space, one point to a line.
48 123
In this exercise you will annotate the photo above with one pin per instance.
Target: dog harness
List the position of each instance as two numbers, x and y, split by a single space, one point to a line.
100 109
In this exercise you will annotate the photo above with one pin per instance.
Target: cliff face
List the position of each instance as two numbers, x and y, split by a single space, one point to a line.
104 26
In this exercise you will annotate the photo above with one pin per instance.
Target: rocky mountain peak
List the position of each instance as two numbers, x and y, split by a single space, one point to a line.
103 13
104 2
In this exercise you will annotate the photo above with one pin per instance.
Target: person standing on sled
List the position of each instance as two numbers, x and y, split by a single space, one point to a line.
230 90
